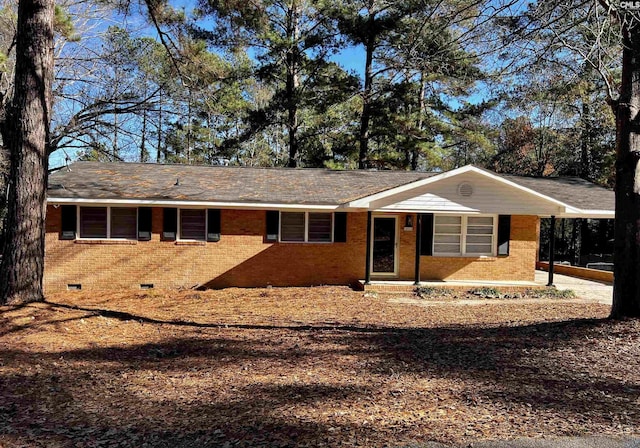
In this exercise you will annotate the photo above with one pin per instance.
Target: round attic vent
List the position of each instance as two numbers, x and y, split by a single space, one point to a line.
465 189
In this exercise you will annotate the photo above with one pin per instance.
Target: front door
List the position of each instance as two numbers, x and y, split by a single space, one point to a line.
385 246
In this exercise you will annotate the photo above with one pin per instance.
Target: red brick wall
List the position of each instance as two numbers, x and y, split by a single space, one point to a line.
240 258
243 258
518 266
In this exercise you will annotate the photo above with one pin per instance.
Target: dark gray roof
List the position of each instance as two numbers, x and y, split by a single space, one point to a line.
572 191
96 180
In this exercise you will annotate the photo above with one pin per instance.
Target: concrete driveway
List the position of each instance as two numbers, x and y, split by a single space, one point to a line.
586 289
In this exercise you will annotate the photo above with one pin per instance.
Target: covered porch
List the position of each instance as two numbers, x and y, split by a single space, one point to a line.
470 228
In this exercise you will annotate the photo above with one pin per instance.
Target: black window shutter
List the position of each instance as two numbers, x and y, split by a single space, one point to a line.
340 227
213 225
426 246
69 222
504 234
169 224
273 222
144 223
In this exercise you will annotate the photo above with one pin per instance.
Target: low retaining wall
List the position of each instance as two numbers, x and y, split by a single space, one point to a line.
575 271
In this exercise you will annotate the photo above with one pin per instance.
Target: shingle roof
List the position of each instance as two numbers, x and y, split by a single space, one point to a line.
96 180
573 191
148 181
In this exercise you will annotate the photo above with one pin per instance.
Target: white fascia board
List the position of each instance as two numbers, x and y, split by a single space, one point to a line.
366 201
439 212
183 204
593 214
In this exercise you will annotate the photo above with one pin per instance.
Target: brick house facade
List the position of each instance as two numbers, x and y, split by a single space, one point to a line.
243 253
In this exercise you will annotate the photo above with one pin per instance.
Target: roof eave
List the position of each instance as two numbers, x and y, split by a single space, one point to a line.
178 203
367 201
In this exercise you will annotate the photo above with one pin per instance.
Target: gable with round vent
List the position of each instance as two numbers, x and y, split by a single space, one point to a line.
465 189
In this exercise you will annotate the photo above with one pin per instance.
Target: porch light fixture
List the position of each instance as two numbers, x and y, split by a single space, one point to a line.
408 222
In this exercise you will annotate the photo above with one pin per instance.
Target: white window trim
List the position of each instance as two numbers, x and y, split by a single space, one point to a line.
206 225
108 207
306 228
463 238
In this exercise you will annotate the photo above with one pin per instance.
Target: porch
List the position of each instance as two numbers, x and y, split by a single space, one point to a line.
601 292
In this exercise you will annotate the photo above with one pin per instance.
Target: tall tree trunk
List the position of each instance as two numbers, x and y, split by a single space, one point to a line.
189 124
365 119
292 83
626 286
143 139
27 129
159 148
421 108
585 142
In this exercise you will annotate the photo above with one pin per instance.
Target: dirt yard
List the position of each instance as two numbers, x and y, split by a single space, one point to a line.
308 367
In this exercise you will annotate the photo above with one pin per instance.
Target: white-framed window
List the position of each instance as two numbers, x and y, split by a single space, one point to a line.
306 227
108 222
192 224
462 235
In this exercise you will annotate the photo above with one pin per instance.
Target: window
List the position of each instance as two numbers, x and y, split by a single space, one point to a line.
479 238
447 234
124 222
193 224
93 222
292 227
108 222
319 227
306 227
463 235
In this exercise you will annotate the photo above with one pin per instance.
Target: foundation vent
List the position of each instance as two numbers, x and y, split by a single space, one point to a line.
465 189
74 286
146 285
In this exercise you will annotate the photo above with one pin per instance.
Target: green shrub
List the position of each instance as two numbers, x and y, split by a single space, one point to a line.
550 293
486 292
430 292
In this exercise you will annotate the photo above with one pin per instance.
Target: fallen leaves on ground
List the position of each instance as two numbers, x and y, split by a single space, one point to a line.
309 367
